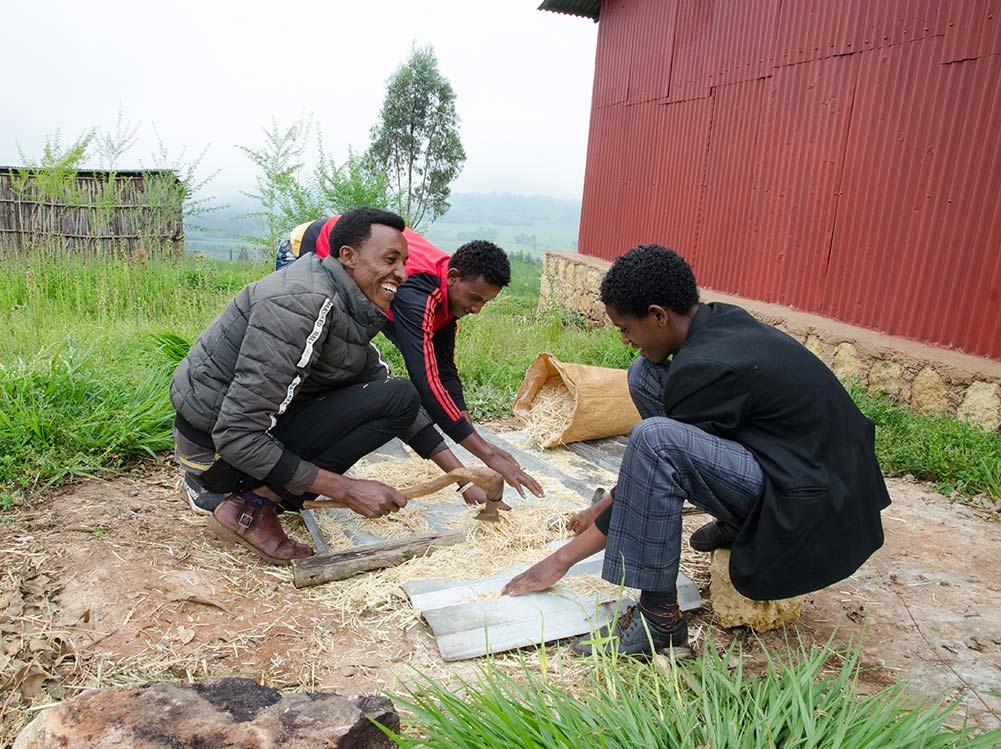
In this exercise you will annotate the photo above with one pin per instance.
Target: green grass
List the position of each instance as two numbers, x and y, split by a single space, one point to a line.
86 356
954 454
801 701
83 382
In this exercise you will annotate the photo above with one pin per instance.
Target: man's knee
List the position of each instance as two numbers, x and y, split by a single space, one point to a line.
657 434
402 398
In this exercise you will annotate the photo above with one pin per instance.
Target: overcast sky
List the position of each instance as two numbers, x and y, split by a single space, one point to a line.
214 73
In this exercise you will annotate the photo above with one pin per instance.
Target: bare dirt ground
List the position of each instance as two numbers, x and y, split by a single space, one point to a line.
112 582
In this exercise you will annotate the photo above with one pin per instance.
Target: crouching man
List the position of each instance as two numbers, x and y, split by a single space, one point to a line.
746 424
284 391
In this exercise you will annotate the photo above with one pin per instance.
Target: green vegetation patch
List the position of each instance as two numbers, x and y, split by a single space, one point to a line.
85 365
954 454
804 701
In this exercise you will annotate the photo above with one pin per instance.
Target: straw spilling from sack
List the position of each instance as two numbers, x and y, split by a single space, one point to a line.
551 413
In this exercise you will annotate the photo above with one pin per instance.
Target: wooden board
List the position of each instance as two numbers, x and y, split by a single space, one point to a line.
337 565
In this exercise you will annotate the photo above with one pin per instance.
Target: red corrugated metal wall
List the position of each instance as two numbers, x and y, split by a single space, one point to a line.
841 157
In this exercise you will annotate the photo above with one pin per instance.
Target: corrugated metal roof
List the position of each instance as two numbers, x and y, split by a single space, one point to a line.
582 8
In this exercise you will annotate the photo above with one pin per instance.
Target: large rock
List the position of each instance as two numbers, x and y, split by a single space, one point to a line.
232 712
734 610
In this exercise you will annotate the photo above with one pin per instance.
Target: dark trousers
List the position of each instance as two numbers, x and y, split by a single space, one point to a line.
332 430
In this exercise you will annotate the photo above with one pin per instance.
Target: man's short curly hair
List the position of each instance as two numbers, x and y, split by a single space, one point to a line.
482 258
650 274
355 226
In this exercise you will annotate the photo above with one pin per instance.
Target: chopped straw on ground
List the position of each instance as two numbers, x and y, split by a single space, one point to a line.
520 538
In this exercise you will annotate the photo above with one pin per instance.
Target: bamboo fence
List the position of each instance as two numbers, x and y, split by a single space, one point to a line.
91 213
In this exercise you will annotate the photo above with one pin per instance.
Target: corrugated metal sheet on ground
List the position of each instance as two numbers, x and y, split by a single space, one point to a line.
916 249
469 618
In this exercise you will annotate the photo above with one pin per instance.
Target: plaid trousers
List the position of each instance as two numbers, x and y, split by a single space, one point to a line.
665 463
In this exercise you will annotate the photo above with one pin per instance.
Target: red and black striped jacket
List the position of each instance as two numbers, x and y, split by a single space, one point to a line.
420 325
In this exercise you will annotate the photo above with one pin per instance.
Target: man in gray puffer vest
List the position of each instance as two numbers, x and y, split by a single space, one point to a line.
284 391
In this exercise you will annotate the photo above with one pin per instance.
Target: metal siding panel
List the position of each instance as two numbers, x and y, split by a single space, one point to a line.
733 163
742 47
916 246
690 73
603 188
651 49
964 27
795 197
680 134
817 29
611 64
990 39
643 184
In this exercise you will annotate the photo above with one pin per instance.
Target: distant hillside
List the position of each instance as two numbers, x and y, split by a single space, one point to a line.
519 223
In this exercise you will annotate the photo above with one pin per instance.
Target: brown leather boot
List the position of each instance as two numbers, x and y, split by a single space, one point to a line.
251 521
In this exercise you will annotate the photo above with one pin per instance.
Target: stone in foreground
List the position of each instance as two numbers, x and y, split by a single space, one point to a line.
734 610
233 712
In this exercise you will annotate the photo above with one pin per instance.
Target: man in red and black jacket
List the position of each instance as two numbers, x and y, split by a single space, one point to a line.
422 324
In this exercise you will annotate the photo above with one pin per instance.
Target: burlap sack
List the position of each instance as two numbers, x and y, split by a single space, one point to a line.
598 396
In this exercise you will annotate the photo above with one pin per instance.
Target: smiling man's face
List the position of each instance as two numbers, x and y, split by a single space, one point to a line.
378 264
467 296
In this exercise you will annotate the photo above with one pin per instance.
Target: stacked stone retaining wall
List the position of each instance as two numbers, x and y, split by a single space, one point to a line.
926 378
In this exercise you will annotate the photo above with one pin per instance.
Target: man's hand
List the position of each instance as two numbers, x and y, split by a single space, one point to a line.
372 499
502 462
583 520
474 495
505 464
538 577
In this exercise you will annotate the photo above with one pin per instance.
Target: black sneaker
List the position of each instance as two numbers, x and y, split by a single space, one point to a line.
634 634
200 499
714 535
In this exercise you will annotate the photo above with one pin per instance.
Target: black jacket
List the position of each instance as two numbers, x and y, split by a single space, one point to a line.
818 518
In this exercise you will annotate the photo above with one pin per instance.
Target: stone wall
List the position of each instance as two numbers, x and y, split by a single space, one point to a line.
926 378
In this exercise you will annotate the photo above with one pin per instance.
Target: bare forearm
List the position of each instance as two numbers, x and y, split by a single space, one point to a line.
446 460
479 447
587 543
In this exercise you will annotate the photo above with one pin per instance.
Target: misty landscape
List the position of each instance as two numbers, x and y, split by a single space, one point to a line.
529 224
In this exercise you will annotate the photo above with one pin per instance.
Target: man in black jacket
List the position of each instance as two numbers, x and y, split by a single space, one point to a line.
745 423
440 289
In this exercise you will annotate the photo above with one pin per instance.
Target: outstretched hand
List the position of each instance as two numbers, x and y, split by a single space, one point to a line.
538 577
506 465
